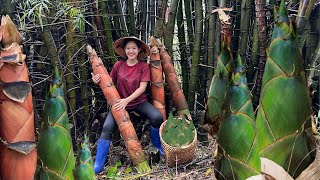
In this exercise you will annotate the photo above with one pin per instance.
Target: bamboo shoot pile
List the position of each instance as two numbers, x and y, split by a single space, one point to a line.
178 132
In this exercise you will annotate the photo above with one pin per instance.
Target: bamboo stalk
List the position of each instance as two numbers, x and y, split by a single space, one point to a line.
142 19
237 12
107 32
152 17
160 17
183 49
116 19
124 30
262 40
304 12
212 30
195 53
244 28
169 28
121 117
187 9
70 68
313 40
84 88
251 70
8 7
132 28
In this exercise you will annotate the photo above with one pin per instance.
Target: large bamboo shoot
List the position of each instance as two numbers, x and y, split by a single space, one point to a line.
84 168
157 89
18 155
219 83
238 151
285 107
179 99
55 144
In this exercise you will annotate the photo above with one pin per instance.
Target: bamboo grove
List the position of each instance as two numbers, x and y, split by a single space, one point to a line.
208 56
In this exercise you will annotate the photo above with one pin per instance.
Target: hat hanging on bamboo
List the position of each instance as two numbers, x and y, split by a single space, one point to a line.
118 47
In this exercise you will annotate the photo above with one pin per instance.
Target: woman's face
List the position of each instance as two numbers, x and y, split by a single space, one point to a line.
132 50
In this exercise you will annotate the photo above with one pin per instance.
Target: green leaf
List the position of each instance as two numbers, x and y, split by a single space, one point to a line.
128 170
112 171
118 163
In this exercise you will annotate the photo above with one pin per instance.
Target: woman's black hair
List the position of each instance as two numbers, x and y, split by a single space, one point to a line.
125 42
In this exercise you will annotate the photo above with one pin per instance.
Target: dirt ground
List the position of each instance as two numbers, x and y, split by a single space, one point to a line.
119 165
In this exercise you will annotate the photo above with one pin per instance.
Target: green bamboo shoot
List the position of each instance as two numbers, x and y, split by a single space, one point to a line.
84 168
285 107
55 144
238 151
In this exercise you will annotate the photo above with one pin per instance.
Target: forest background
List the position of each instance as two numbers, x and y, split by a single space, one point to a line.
56 32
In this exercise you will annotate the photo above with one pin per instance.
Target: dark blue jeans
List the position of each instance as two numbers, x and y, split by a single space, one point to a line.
144 109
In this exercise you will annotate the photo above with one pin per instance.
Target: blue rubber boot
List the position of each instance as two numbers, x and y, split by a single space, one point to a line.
102 153
155 139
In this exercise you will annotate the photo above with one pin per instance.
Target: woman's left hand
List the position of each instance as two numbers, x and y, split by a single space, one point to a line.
121 104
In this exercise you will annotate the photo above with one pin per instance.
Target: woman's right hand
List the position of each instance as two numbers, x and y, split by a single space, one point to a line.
96 78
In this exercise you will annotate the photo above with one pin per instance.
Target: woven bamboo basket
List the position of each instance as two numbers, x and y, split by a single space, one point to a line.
178 155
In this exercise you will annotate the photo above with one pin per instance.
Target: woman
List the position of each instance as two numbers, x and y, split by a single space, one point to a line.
131 76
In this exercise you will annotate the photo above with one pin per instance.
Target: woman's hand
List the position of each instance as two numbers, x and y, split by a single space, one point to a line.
96 78
121 104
